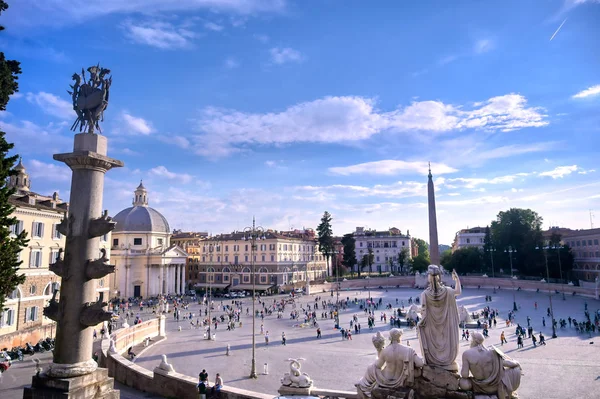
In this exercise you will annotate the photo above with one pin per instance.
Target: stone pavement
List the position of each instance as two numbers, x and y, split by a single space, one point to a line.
336 364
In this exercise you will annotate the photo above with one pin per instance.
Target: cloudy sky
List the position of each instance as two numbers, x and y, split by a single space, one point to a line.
284 109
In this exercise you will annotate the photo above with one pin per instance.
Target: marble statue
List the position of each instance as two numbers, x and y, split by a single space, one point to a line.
394 367
438 330
493 373
413 313
295 378
166 366
90 99
464 315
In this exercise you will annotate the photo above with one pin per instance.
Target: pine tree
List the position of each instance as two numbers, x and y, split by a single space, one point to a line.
10 247
325 237
350 252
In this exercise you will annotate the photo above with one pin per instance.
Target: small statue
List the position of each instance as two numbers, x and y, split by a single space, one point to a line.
465 316
64 227
413 313
394 367
111 346
58 267
90 99
101 226
38 368
493 372
164 365
99 268
295 378
52 311
93 314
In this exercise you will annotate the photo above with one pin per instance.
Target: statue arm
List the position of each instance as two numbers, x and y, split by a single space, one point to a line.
418 361
464 372
510 363
458 288
379 362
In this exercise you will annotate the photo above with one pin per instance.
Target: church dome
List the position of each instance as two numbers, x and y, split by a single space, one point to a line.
140 217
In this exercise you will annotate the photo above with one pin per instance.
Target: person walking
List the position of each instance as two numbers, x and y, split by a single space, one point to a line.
519 341
533 340
318 333
542 339
202 383
503 339
282 338
528 321
267 338
544 321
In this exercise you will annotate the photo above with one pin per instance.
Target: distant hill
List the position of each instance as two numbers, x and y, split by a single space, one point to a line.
444 247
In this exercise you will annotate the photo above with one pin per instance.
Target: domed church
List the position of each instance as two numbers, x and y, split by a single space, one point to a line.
146 264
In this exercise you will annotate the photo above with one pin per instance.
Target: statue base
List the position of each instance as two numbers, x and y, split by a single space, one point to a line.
430 383
95 385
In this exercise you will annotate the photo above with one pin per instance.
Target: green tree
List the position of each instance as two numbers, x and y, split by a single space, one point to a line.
349 244
446 259
364 262
465 260
10 247
423 247
325 237
518 230
403 259
370 259
420 263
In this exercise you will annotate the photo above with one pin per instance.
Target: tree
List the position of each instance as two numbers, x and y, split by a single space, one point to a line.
420 263
325 237
423 247
364 262
403 259
518 230
349 244
464 260
488 247
370 259
10 246
446 259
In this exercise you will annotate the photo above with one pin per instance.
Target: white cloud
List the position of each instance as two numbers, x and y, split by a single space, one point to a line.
56 172
346 119
585 172
391 167
395 190
59 12
52 105
284 55
490 199
213 26
162 171
261 38
590 91
483 46
559 172
231 63
136 125
48 139
516 190
474 182
16 96
162 35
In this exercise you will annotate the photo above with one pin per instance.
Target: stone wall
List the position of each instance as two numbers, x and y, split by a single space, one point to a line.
133 335
31 335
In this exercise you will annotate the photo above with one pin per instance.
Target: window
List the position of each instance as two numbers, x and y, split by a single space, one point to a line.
263 258
246 249
8 318
159 241
468 240
35 259
219 258
263 279
115 242
590 242
578 243
596 242
272 258
225 278
37 230
31 314
17 228
236 248
246 258
226 248
378 259
104 238
32 289
226 258
55 233
53 256
361 243
582 243
235 259
137 241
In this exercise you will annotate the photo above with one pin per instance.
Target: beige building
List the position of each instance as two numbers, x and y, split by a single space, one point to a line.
466 238
147 264
38 215
280 258
585 247
385 245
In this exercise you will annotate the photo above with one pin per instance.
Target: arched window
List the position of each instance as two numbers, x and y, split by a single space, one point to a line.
15 294
263 270
226 270
32 289
211 270
246 270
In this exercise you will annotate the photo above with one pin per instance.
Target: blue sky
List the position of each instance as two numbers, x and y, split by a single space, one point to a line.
283 109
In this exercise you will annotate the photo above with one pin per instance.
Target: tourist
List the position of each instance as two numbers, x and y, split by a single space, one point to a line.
503 339
533 340
318 333
519 341
218 384
282 338
542 339
202 383
267 338
130 353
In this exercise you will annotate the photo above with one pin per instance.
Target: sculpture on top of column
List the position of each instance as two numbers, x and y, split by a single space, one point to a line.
438 330
493 373
90 99
394 367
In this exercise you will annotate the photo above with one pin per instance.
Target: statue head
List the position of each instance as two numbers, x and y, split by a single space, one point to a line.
477 340
434 274
378 341
395 335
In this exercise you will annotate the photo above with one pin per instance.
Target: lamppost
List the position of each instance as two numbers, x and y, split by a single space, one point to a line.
211 277
337 275
545 249
510 251
491 251
253 234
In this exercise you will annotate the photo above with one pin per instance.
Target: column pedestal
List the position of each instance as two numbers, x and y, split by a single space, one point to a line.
97 385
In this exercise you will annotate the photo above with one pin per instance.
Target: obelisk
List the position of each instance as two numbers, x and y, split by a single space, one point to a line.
434 249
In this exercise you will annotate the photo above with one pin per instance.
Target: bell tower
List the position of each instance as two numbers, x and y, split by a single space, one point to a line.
21 180
140 196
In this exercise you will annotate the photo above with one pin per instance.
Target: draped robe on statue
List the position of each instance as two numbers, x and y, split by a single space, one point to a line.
438 330
501 382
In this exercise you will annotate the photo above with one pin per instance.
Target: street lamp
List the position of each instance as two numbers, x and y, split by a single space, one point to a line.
491 251
510 251
253 234
211 277
545 249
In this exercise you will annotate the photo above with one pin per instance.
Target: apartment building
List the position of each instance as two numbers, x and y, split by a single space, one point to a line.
465 238
585 246
385 245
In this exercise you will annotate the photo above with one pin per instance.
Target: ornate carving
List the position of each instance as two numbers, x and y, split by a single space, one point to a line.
64 226
295 378
166 366
98 268
93 314
101 226
90 99
59 267
52 311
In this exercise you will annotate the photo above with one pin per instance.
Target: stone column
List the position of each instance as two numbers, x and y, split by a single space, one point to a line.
434 250
183 287
77 312
176 279
127 280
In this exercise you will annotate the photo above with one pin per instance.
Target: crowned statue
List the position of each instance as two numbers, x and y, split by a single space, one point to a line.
438 330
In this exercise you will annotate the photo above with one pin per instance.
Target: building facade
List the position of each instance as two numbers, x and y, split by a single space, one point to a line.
147 264
38 215
466 238
225 262
585 247
385 246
